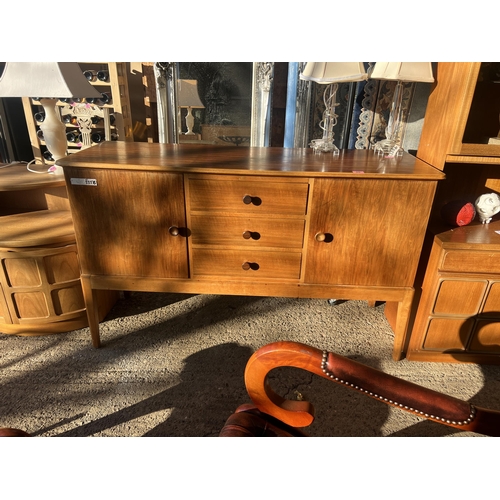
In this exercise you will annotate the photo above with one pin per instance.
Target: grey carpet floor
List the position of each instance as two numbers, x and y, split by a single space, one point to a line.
172 365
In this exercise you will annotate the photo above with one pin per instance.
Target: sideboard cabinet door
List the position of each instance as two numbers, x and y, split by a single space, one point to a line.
136 221
364 232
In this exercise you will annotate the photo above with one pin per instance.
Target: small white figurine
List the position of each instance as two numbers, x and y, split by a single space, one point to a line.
487 205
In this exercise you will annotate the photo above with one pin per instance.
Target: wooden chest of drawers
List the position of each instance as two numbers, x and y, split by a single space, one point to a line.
458 316
250 221
248 229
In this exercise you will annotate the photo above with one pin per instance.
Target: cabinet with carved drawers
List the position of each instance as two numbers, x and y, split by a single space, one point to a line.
194 218
246 228
458 318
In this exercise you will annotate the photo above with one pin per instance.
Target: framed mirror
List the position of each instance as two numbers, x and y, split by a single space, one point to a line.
233 105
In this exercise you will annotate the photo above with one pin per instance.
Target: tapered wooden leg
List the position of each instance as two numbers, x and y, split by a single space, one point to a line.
91 305
399 322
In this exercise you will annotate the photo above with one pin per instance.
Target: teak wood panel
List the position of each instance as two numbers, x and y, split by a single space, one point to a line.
486 337
458 317
269 196
39 228
246 264
374 228
246 231
447 111
459 297
471 262
126 216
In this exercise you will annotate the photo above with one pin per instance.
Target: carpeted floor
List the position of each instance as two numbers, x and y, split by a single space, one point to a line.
172 365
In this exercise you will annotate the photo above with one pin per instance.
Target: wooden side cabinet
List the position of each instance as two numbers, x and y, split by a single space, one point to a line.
194 218
458 317
460 136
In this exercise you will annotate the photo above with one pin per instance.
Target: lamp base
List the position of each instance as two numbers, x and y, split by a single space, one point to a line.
324 146
56 170
388 148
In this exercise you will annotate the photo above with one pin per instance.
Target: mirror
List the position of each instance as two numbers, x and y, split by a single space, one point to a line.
235 97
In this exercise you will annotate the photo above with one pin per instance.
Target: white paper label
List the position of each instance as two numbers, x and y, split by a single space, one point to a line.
83 182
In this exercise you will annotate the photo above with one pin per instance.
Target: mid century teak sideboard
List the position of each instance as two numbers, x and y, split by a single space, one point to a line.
214 219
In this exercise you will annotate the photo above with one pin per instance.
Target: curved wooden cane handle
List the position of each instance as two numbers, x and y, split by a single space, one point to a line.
374 383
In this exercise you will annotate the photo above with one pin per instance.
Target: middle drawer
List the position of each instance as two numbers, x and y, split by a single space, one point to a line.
247 231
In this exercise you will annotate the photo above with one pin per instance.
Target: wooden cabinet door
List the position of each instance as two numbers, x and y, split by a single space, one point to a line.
122 221
366 232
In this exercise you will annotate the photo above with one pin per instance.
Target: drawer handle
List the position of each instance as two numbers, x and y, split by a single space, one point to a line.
246 266
324 237
254 200
173 230
254 235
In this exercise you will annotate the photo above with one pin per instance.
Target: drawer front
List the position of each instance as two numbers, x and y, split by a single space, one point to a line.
448 333
246 196
486 337
471 262
247 232
246 264
459 297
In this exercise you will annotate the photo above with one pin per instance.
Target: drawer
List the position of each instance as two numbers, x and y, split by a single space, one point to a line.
246 264
247 232
248 196
486 337
471 262
459 297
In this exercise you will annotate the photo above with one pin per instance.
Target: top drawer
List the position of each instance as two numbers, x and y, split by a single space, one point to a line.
248 196
471 262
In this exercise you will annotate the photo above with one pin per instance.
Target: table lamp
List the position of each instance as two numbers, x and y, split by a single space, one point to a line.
51 81
331 74
400 72
189 98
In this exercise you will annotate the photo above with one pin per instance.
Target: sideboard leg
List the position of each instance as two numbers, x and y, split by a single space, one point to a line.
90 298
399 323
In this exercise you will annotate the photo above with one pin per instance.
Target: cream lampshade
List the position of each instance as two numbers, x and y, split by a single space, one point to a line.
400 72
49 81
189 98
331 74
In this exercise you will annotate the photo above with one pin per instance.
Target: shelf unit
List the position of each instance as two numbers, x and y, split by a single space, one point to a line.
119 107
462 114
460 136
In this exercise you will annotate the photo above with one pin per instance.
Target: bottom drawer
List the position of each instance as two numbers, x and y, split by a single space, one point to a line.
486 337
244 264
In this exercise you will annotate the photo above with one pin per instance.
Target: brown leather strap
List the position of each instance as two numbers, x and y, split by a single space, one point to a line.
397 392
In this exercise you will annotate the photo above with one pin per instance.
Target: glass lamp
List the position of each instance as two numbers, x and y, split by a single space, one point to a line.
51 81
189 98
331 74
400 72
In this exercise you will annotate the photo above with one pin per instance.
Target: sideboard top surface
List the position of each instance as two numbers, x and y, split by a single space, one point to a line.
214 159
475 236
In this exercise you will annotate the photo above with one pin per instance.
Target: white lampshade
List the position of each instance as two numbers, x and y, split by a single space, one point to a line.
334 72
188 94
45 79
403 71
